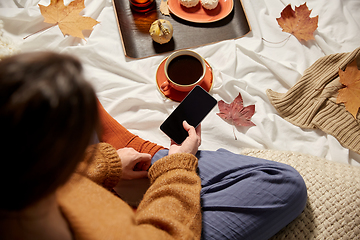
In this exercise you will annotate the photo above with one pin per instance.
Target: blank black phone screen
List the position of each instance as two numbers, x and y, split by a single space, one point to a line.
194 108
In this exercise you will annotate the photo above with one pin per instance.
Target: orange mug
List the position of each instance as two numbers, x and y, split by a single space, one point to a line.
184 70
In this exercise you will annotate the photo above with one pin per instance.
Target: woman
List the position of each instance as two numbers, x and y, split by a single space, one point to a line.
242 197
56 187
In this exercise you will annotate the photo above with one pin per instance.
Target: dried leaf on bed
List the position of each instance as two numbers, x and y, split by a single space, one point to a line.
67 17
298 22
350 94
235 113
164 9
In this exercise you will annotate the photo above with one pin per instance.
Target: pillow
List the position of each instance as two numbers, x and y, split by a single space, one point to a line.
333 207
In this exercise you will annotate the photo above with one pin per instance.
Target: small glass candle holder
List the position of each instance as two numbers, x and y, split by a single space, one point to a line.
142 6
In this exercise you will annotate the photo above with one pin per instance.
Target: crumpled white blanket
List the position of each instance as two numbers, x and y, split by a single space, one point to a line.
249 65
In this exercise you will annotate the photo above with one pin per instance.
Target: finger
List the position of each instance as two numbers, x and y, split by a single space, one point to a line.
143 160
139 174
186 125
138 166
144 157
145 166
141 157
190 129
172 142
193 133
198 130
142 166
198 133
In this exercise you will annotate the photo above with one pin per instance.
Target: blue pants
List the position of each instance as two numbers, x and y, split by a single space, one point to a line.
245 197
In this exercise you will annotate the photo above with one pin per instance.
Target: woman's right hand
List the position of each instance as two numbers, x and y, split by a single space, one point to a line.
190 144
134 164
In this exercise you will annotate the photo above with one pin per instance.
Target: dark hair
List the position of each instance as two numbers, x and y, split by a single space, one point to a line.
48 114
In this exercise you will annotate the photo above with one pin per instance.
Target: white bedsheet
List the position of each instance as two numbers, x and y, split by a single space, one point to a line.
127 89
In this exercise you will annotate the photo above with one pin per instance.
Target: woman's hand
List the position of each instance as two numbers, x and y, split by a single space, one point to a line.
134 164
190 144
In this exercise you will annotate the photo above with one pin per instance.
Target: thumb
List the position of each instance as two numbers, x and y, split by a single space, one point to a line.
190 129
186 125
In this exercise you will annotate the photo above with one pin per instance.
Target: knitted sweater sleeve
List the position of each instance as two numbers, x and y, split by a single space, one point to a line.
102 165
172 202
311 102
170 208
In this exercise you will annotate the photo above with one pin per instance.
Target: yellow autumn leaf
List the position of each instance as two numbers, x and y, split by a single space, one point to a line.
67 17
350 93
164 9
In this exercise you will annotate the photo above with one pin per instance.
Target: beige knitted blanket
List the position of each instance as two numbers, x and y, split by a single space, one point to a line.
333 207
311 102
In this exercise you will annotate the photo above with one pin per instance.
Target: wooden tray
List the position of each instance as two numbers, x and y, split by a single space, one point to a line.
137 43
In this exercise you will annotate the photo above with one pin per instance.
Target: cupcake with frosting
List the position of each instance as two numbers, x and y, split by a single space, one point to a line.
189 3
209 4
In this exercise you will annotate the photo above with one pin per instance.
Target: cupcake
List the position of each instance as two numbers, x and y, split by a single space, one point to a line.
209 4
189 3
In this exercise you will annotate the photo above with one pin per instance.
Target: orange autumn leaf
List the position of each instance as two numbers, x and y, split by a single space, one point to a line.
298 22
350 94
67 17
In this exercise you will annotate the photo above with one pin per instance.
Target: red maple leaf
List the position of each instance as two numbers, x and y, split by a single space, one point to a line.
235 113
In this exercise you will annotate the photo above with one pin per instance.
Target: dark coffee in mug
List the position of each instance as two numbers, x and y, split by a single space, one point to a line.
185 70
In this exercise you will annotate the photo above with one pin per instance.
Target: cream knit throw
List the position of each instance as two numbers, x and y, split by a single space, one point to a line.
311 102
333 207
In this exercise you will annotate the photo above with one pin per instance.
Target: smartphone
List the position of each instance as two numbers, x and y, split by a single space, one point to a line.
194 108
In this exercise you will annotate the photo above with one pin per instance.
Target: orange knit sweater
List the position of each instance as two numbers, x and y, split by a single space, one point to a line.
170 208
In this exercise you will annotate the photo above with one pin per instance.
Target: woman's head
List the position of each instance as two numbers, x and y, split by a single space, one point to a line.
48 114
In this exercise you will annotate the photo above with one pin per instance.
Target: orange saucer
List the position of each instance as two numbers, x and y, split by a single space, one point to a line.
176 95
